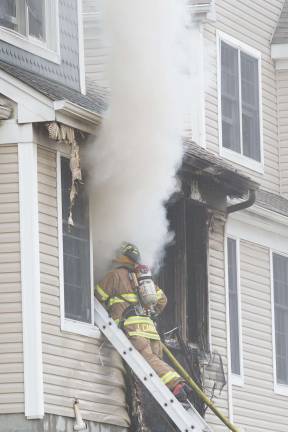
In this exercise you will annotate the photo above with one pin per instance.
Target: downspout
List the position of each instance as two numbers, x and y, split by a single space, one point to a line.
243 205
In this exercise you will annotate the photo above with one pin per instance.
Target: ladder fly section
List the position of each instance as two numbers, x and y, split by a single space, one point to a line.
186 421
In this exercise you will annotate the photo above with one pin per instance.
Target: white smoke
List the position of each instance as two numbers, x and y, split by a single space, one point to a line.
139 148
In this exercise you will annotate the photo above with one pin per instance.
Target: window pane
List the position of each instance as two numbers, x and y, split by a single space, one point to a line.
280 272
8 14
233 307
36 18
230 98
76 251
250 107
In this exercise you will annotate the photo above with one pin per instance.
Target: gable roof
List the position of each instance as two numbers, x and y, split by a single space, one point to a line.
54 90
281 33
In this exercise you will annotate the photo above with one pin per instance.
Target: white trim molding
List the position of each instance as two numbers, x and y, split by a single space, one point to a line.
281 389
237 380
49 50
279 53
30 280
81 48
231 155
69 325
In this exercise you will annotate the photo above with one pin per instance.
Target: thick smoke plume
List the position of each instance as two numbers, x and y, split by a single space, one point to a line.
139 147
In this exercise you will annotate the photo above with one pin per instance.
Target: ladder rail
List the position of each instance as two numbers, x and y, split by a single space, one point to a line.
186 421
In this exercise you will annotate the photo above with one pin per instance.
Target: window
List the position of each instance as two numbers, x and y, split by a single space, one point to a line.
24 16
184 275
280 285
30 25
240 104
75 253
234 309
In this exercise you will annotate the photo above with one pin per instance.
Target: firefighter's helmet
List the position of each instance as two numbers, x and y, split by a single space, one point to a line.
131 251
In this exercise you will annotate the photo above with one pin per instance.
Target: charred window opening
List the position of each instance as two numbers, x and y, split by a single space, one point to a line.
184 274
76 250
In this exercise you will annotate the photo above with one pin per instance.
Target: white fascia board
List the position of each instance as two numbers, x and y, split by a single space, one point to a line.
11 132
30 280
76 116
279 51
260 226
32 105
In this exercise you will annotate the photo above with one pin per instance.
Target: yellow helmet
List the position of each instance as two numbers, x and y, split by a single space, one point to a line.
131 251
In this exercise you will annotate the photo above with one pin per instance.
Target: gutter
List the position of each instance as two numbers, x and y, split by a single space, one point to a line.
244 204
67 107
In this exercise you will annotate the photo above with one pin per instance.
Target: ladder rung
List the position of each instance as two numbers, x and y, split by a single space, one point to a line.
186 421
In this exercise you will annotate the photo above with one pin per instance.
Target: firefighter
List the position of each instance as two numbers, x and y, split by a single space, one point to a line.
119 293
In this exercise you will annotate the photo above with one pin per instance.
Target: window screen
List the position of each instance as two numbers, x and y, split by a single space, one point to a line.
76 251
233 307
240 102
8 14
280 272
230 98
250 106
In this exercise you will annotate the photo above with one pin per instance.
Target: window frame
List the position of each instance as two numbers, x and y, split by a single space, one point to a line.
237 380
228 154
281 389
49 49
68 324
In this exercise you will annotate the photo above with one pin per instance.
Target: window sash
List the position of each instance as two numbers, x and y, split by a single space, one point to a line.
240 102
26 17
76 252
280 288
234 313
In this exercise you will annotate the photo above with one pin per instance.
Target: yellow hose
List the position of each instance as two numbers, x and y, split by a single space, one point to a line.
198 391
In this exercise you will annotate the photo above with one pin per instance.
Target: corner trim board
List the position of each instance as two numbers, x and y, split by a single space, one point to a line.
30 281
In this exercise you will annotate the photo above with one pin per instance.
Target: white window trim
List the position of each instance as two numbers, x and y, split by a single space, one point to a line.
69 325
237 380
49 51
81 48
273 235
30 280
281 389
231 155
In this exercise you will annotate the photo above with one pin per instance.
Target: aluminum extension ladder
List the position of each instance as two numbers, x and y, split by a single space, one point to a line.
185 420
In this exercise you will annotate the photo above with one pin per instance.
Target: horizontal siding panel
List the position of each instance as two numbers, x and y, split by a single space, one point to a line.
11 335
73 365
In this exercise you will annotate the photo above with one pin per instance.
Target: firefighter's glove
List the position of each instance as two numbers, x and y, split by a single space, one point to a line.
182 392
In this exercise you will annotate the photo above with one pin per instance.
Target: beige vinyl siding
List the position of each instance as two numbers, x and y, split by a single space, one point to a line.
217 312
11 346
282 90
93 41
252 22
256 407
74 366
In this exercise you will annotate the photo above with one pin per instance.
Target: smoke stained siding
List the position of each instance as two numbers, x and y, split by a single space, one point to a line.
256 407
252 22
217 311
71 363
11 347
282 93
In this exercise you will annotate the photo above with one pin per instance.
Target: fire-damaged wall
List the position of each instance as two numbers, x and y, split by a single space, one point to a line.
184 274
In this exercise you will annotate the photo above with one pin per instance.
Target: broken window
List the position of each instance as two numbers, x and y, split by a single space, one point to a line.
184 274
76 251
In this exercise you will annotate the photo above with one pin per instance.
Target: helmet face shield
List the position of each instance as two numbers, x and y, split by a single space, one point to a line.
131 251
